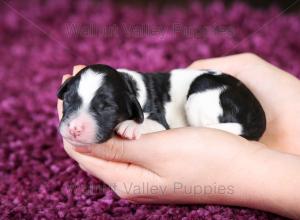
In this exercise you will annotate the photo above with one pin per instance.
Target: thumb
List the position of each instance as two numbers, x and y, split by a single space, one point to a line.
143 151
120 150
109 172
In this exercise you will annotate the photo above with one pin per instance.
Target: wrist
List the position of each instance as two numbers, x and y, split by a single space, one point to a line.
268 181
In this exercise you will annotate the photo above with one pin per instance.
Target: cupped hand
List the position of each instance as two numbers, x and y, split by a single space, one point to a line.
199 165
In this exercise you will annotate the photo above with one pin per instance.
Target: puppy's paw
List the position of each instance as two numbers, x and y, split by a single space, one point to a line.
129 129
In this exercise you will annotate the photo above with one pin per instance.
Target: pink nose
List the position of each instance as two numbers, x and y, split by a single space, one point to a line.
75 128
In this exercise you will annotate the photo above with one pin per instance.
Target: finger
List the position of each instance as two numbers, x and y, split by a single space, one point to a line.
118 175
112 172
59 108
77 68
224 64
233 64
66 76
59 102
122 150
108 171
140 151
80 158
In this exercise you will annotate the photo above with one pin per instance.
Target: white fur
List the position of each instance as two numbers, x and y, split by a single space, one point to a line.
151 126
132 130
142 92
203 108
180 82
89 83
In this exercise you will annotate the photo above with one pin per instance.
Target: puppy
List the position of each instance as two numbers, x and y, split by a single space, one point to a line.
101 100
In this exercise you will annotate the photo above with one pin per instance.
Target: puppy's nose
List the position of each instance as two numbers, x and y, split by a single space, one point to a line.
75 128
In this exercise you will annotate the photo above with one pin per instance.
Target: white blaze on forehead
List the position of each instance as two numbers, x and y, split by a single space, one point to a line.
89 83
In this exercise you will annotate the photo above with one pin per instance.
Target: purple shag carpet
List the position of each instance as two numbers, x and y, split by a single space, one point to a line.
41 41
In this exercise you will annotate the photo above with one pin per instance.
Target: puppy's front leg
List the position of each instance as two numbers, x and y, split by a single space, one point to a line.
131 130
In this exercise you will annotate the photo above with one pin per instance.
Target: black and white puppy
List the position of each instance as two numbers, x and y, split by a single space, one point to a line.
100 100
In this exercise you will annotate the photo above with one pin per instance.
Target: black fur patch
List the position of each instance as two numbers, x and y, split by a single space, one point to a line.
237 101
158 88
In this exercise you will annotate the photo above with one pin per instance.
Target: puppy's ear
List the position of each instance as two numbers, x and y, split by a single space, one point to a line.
135 109
63 88
133 106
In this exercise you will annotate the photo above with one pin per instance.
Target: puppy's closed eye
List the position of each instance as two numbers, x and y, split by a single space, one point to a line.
104 106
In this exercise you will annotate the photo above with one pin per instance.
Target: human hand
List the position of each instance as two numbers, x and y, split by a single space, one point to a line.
278 92
150 160
191 157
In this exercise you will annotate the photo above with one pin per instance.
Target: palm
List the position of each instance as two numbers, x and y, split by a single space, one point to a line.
278 94
283 125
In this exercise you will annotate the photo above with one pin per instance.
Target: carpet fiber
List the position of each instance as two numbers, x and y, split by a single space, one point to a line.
41 41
